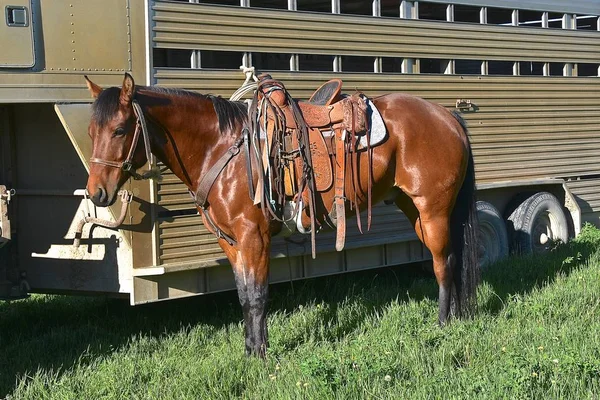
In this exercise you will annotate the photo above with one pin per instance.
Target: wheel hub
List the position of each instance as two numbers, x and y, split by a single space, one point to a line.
543 231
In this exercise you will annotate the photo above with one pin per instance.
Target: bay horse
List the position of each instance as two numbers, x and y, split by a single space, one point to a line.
425 161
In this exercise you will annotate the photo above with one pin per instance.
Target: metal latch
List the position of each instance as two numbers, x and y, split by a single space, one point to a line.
465 105
5 196
16 16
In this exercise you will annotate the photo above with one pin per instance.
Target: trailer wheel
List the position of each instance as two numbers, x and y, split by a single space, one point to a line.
493 238
538 224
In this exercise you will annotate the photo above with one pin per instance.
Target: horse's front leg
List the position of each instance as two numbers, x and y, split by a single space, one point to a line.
250 262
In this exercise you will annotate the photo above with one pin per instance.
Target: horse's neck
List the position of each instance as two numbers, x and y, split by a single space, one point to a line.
179 145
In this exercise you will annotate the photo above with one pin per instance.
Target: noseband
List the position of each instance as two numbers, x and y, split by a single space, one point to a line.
127 165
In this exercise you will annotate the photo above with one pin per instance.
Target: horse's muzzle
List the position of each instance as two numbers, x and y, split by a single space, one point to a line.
101 198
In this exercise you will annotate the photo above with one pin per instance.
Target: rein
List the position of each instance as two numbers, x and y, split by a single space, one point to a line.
127 165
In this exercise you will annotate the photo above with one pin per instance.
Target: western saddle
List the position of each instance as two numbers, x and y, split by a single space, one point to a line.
307 152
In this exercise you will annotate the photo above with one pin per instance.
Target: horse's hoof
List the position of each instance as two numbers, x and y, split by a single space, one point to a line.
260 352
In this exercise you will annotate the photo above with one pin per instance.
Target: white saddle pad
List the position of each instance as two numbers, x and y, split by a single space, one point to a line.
378 131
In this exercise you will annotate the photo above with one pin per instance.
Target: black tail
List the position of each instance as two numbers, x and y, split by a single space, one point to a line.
464 231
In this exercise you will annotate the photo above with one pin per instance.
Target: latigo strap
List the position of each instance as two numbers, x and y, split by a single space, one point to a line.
340 184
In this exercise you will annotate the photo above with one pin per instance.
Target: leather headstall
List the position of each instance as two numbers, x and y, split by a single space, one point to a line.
127 165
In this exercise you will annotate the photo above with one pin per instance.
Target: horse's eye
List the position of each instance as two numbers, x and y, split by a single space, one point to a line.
119 132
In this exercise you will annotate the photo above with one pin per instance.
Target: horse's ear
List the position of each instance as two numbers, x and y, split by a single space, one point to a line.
127 90
92 87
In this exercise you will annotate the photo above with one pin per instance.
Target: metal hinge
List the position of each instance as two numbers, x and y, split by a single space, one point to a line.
5 196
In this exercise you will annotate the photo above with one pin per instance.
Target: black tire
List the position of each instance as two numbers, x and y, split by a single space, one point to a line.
538 224
493 238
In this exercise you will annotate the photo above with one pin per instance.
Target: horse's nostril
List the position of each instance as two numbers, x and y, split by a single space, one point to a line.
101 195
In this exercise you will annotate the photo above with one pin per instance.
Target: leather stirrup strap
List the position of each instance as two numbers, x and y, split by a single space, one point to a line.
369 172
353 154
340 170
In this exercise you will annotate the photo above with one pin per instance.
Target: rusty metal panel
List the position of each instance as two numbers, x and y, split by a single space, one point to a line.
193 26
16 31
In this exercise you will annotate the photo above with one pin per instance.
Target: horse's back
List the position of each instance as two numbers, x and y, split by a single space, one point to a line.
414 118
417 112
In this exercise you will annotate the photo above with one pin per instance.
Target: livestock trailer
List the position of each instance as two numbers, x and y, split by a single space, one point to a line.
523 73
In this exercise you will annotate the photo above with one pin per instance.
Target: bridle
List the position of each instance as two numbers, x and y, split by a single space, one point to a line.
127 165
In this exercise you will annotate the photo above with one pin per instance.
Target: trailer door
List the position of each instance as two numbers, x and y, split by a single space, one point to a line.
16 34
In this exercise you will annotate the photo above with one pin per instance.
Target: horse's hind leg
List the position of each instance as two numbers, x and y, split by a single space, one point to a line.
434 231
251 270
436 236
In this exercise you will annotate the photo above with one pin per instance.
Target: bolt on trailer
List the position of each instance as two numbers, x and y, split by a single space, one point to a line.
524 74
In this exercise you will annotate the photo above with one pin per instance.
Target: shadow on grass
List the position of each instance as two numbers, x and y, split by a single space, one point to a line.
58 332
520 275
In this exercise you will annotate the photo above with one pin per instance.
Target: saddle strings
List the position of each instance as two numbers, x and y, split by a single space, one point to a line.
279 155
269 176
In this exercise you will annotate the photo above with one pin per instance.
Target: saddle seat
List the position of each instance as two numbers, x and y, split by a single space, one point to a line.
327 94
323 109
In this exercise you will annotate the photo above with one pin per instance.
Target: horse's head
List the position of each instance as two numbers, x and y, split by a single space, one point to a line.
116 147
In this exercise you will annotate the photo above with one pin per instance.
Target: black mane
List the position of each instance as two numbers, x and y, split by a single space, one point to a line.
228 112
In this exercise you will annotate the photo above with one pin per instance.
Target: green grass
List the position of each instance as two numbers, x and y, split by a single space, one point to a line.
363 335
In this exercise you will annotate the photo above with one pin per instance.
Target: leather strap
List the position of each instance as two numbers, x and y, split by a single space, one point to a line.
340 169
124 165
127 165
139 113
369 169
246 136
113 164
209 179
353 154
218 232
